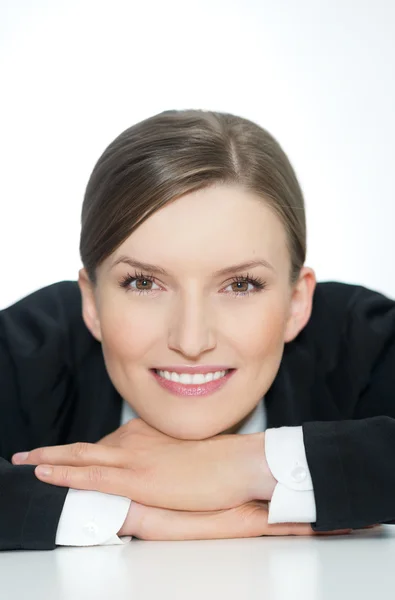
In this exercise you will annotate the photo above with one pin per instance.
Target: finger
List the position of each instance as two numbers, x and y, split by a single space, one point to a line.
79 453
110 480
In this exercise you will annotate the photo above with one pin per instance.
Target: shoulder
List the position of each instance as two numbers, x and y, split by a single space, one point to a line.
337 300
49 299
50 316
331 303
336 293
349 323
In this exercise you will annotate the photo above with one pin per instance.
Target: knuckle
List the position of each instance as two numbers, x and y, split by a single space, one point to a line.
95 474
124 437
134 428
79 449
42 455
39 456
133 425
65 473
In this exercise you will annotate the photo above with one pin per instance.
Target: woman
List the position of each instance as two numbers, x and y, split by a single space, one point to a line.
193 245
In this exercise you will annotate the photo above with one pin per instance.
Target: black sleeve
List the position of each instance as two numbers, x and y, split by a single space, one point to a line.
29 509
352 461
33 388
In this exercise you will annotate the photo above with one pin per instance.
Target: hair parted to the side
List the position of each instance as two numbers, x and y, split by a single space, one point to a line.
176 152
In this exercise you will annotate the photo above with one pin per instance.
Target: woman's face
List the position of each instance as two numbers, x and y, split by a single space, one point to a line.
194 316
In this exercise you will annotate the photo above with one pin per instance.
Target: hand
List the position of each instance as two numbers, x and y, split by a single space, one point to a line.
262 482
154 469
247 520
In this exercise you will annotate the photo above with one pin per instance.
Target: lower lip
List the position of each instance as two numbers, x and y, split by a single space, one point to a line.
200 389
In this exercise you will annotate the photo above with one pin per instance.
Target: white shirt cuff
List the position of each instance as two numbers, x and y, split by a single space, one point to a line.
92 518
293 498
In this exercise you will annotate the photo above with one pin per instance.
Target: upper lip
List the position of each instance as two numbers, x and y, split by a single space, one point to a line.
195 369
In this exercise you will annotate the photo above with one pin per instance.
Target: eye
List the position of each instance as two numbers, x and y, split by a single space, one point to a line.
142 281
257 284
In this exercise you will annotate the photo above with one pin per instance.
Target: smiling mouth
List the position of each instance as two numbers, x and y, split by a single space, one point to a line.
160 372
193 389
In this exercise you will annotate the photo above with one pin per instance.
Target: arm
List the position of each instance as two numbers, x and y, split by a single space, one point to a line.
347 477
352 461
92 518
29 509
352 468
36 388
293 496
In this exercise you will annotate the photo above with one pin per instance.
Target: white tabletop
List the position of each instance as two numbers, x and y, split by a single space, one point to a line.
357 566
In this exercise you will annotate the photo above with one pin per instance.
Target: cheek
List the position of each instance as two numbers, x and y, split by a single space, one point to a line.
261 349
261 334
126 335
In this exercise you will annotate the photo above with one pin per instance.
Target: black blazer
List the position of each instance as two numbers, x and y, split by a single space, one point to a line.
337 379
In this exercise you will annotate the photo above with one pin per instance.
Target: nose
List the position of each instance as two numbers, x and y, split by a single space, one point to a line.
191 332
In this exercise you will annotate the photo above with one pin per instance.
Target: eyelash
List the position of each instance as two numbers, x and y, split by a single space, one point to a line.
256 281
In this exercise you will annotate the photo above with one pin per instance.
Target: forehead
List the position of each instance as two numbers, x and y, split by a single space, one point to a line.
217 226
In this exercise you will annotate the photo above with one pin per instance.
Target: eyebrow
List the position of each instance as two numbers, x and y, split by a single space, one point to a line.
143 266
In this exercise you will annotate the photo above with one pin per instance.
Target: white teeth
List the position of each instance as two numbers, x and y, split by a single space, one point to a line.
187 379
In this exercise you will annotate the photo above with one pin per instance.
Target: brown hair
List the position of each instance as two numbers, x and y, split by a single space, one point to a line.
176 152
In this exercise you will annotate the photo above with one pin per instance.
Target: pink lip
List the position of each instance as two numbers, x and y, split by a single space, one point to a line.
200 389
195 369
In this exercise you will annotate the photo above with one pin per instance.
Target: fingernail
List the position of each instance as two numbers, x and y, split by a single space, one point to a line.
44 471
20 456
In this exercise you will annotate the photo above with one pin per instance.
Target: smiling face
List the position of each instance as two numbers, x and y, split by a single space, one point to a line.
194 316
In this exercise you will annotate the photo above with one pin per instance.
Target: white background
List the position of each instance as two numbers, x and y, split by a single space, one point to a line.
319 75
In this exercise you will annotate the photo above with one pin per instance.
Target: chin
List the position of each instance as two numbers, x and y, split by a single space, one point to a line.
185 432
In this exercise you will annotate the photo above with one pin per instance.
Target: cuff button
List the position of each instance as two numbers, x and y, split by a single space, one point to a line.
298 474
91 528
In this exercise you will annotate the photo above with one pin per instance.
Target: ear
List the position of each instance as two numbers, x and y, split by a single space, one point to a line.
90 312
301 304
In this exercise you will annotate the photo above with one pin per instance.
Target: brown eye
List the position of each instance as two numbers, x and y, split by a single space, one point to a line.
145 284
239 282
238 286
